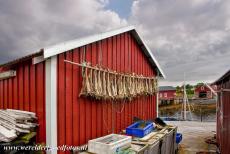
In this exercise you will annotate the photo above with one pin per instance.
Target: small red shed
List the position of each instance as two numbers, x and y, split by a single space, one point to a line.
203 91
223 113
45 84
167 94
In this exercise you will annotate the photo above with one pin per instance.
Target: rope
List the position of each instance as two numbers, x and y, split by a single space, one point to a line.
83 61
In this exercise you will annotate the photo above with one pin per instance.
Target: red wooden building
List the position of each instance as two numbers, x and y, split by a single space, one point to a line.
203 91
45 84
167 95
223 113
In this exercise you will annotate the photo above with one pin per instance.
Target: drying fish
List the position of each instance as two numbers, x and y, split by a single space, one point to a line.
95 83
109 86
124 87
114 87
83 89
100 83
120 88
104 90
91 91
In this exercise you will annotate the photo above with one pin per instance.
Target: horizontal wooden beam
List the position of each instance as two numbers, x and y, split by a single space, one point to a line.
7 74
38 59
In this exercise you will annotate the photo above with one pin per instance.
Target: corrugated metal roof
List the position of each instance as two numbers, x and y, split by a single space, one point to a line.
226 75
164 88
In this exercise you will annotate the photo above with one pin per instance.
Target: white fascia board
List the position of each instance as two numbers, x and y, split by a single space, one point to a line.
66 46
51 104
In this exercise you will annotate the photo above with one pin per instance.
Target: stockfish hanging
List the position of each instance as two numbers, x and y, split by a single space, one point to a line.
101 83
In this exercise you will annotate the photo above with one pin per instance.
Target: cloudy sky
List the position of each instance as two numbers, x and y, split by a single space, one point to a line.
191 37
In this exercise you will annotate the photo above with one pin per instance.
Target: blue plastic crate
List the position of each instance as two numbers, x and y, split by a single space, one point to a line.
178 138
134 129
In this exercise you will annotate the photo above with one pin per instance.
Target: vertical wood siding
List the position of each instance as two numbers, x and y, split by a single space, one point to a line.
223 117
26 92
82 119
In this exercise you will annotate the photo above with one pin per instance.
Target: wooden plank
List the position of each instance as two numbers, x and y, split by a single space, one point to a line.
61 101
99 107
7 74
15 93
94 103
114 67
76 105
5 90
104 103
40 99
20 87
1 95
68 99
32 88
10 94
87 101
82 108
26 75
110 66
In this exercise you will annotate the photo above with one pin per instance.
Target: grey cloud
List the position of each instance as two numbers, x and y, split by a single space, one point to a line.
186 36
28 25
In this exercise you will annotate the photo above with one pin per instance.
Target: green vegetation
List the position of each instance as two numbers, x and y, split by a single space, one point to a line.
189 90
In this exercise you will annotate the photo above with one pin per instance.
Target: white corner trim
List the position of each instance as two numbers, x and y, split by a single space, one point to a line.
51 103
38 59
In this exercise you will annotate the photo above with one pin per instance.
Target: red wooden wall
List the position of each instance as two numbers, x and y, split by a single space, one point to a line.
82 119
223 116
170 94
26 92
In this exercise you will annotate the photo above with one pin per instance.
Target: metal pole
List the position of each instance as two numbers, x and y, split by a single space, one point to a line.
184 99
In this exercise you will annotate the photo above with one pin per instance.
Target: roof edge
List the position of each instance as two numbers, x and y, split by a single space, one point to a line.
69 45
222 77
27 57
150 54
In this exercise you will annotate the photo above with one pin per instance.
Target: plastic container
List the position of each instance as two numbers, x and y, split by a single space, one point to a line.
178 138
112 143
135 130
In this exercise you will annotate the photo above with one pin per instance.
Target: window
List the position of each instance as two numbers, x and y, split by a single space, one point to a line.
165 94
202 88
160 95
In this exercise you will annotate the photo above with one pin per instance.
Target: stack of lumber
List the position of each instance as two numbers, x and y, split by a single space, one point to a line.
14 123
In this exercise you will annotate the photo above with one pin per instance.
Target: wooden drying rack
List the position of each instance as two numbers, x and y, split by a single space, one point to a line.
110 72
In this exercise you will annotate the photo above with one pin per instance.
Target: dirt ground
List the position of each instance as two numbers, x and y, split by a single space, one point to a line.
194 135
